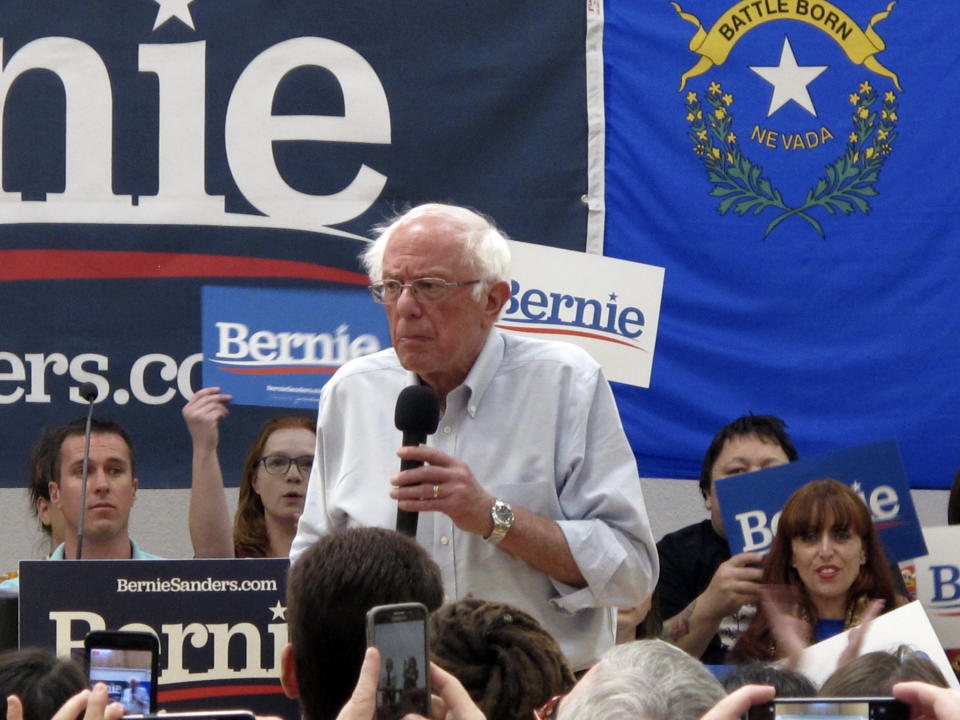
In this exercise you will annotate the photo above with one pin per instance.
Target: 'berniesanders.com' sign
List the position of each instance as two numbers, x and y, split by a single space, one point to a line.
751 503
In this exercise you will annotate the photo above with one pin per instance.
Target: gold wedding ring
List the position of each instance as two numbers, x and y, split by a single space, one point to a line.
436 491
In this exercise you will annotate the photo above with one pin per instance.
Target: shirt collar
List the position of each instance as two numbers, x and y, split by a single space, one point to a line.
481 373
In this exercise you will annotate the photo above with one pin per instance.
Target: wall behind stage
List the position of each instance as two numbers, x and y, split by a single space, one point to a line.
159 518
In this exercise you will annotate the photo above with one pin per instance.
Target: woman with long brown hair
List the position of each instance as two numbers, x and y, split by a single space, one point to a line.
272 487
828 558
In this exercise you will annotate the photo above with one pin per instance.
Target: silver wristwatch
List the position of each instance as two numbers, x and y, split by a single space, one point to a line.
503 518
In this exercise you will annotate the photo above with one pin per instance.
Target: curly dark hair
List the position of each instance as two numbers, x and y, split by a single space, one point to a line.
504 658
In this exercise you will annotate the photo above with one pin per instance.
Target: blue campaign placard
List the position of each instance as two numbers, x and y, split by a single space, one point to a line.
751 503
277 348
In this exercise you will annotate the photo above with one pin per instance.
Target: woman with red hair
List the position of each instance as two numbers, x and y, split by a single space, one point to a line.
827 559
272 487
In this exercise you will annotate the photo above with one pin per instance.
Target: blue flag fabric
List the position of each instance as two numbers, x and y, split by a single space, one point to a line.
793 166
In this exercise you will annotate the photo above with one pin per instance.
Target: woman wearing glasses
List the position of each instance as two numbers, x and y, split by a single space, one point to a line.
272 488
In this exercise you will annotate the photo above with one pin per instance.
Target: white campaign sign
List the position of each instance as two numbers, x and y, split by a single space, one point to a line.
609 307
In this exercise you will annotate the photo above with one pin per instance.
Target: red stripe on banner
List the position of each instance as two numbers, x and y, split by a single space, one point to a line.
888 524
209 691
579 333
280 370
77 264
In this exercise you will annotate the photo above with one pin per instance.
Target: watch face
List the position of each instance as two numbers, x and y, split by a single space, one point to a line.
502 512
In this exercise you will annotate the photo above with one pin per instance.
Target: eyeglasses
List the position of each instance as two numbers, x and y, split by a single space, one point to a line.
280 464
427 289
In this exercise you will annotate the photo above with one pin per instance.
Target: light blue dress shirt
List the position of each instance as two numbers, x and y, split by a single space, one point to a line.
537 424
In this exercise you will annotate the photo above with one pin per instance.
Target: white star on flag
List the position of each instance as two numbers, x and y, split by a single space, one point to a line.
174 9
789 80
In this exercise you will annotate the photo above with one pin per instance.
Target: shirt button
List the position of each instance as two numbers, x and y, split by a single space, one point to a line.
473 408
444 540
447 429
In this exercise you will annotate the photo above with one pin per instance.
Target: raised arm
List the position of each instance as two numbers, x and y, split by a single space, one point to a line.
211 528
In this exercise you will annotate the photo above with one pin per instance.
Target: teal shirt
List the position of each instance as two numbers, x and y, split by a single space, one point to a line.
135 554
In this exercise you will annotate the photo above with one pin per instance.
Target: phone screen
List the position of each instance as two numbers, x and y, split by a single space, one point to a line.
127 675
400 635
832 709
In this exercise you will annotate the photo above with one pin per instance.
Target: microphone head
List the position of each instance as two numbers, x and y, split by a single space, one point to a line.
88 391
418 410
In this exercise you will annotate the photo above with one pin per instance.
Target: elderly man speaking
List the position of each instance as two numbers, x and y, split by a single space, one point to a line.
528 492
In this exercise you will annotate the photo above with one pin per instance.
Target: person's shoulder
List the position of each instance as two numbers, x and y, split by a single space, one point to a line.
525 351
691 535
368 367
136 553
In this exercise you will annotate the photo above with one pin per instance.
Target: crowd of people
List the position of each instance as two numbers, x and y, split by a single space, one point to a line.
532 530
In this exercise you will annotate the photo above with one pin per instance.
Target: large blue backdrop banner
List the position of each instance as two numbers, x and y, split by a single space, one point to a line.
793 166
152 147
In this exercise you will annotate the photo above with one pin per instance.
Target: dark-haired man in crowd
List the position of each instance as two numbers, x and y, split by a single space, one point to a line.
111 491
705 595
330 589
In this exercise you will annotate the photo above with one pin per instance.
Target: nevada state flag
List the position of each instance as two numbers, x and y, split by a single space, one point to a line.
793 166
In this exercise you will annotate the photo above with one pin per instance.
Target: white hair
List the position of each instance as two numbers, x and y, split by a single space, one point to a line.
647 680
485 247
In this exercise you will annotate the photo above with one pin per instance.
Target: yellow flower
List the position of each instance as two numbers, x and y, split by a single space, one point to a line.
702 134
715 152
720 113
863 112
854 137
728 99
730 158
893 117
856 157
889 97
714 88
854 98
885 149
691 97
699 149
731 138
869 153
881 134
865 87
883 114
691 117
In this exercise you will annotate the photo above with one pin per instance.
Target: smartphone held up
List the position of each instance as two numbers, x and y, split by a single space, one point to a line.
127 663
399 632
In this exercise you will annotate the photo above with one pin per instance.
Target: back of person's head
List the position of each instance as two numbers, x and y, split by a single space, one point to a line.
504 658
41 680
40 471
875 673
788 683
331 587
645 680
98 426
767 427
250 527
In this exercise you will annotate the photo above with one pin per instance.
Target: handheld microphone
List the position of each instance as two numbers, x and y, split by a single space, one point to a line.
417 415
88 391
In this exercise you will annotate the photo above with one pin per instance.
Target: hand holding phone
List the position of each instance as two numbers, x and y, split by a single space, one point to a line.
399 632
127 663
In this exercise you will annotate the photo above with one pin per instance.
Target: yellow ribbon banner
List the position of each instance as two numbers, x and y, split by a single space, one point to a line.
714 46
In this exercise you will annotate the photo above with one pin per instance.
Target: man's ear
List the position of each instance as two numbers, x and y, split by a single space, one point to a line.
497 296
288 673
136 486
